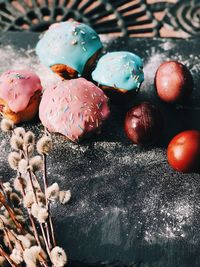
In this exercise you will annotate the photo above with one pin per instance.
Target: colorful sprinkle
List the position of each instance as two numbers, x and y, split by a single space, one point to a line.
74 118
80 128
74 42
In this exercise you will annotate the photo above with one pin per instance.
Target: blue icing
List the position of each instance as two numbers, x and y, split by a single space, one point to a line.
68 43
123 70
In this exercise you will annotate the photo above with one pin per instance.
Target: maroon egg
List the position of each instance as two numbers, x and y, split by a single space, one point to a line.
143 124
173 82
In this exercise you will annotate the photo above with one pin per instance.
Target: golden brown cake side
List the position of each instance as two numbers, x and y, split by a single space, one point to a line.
27 114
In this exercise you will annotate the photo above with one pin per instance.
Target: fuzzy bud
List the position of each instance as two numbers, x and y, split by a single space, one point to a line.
28 199
23 166
31 255
29 138
44 145
58 257
1 225
42 215
7 188
35 209
18 183
20 132
52 192
3 221
16 142
14 198
41 197
29 149
36 164
64 196
7 125
31 239
21 219
16 256
40 212
2 261
24 240
13 160
18 211
29 186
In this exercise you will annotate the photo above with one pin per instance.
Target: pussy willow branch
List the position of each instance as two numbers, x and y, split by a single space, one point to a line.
11 213
2 189
37 181
46 225
45 240
16 239
36 200
32 187
7 257
47 201
35 233
41 225
41 259
7 236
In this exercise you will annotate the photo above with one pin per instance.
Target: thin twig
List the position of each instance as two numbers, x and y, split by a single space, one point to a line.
48 235
32 187
52 230
2 188
45 240
36 179
7 236
36 200
7 257
16 239
47 201
45 174
35 233
11 213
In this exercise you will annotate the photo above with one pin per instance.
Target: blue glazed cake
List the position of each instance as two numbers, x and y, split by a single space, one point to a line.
120 70
69 48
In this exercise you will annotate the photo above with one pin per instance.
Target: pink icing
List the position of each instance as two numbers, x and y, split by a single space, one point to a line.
17 87
73 108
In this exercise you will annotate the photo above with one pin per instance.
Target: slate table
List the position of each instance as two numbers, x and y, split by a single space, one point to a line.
128 207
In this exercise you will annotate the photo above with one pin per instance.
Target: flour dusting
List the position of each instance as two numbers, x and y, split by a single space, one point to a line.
13 59
123 190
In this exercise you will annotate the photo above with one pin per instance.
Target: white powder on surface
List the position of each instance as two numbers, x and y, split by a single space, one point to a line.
112 170
151 66
13 59
167 45
172 220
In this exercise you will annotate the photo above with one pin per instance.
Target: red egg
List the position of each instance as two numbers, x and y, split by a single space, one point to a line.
143 124
183 152
173 82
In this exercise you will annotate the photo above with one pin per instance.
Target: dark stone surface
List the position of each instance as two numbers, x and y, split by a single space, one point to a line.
128 207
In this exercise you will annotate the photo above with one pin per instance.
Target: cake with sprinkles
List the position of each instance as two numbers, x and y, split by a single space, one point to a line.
20 95
119 74
69 49
74 108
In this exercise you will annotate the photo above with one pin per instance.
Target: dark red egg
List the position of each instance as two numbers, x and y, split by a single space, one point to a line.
143 124
183 151
173 82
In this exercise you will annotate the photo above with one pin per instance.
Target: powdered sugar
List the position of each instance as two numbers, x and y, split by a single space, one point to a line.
120 190
173 220
13 59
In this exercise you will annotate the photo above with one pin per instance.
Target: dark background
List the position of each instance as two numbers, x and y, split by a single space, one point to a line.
128 207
